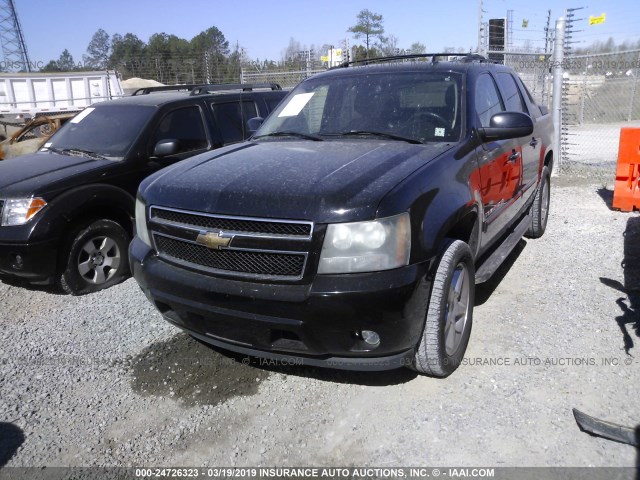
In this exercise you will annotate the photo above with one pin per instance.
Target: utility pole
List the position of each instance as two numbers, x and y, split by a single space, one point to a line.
558 60
14 48
480 28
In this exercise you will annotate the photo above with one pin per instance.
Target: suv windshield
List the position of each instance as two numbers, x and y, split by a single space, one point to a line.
105 131
404 106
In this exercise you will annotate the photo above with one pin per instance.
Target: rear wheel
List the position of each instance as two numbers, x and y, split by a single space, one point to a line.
96 259
449 314
540 207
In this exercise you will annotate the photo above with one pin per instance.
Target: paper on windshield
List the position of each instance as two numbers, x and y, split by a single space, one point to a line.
79 117
296 104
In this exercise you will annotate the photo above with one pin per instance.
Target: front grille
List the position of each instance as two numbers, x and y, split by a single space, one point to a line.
238 261
235 225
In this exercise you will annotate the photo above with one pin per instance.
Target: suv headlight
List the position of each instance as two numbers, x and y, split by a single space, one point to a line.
141 222
371 246
18 211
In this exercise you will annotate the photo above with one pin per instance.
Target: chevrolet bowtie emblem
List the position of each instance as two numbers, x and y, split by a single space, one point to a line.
214 241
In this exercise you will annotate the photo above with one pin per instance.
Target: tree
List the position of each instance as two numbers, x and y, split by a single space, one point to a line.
417 47
65 62
389 45
127 54
213 47
369 26
98 50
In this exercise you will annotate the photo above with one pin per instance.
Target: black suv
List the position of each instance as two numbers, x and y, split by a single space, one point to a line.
66 212
351 229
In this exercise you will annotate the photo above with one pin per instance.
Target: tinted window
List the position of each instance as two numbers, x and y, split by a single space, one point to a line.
109 130
232 119
184 125
534 110
487 99
512 99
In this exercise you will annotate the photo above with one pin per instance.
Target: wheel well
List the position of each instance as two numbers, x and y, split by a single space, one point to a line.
85 218
548 161
464 230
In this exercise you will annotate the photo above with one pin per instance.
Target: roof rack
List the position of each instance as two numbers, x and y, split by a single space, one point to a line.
245 87
204 88
463 57
166 88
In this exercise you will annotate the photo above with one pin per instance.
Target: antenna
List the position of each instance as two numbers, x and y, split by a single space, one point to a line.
14 47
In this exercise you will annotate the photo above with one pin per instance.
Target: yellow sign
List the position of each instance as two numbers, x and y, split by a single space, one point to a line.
324 58
597 20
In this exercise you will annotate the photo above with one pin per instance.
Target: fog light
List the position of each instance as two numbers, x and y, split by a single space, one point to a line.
18 263
370 337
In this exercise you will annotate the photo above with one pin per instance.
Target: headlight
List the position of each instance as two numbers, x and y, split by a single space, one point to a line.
141 223
366 246
18 211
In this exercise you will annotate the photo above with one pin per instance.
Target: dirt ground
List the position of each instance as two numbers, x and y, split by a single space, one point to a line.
103 380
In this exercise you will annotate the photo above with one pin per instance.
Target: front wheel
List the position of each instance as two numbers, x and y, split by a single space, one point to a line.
540 207
449 314
97 258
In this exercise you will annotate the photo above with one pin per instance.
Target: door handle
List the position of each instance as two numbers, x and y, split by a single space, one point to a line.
514 156
533 142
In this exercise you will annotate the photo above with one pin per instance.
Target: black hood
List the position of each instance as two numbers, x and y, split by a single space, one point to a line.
330 181
38 172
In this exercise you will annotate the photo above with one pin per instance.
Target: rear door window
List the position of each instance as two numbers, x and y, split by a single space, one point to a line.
231 118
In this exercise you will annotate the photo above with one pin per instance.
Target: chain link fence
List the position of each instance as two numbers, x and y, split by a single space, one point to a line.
285 78
599 96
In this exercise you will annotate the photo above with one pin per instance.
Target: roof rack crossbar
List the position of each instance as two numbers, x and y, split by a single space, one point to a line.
165 88
245 87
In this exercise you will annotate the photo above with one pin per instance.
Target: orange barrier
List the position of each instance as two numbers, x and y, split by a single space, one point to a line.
626 194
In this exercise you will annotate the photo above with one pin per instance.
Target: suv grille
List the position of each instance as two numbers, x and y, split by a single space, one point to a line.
231 224
242 261
260 248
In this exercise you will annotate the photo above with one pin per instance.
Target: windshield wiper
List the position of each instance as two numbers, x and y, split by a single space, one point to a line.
82 153
291 134
390 136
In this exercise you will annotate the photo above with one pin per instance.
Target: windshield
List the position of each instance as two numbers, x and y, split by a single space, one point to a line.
410 106
107 131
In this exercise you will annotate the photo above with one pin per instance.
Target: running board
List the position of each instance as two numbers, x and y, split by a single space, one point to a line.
493 262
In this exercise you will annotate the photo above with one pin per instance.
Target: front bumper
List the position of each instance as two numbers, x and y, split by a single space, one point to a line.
318 323
34 262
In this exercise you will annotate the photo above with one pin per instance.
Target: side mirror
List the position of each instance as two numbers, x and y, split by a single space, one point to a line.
254 124
164 148
507 125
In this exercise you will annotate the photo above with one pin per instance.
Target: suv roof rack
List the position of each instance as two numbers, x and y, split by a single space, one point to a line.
204 88
165 88
462 57
245 87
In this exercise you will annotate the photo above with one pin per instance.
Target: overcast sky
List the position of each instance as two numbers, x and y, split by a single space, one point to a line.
264 28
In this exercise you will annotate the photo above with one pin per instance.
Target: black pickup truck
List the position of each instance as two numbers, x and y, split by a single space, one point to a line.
351 229
66 212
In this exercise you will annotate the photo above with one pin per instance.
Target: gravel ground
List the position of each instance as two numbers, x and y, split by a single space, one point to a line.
103 380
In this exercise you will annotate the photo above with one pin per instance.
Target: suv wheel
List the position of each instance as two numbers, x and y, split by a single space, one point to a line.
96 259
540 207
449 314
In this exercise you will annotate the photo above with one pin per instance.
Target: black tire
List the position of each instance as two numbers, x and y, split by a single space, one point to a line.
540 207
441 349
96 258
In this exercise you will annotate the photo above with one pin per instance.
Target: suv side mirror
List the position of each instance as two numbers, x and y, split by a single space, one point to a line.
164 148
254 124
506 125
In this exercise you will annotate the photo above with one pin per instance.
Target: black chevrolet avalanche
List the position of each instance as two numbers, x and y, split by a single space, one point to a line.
350 231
